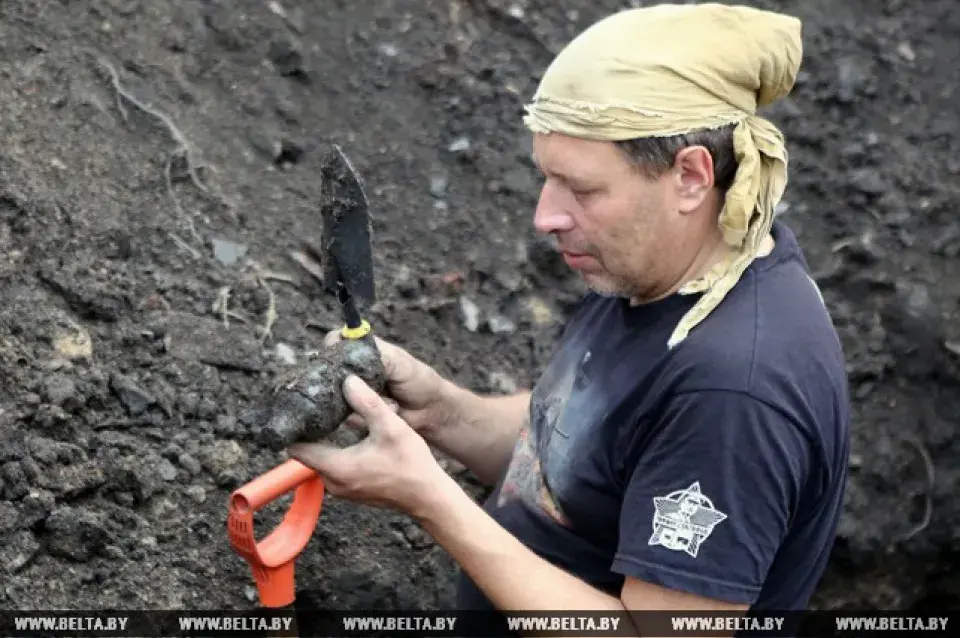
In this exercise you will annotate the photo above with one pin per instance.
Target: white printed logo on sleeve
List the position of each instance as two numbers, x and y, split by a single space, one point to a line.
684 520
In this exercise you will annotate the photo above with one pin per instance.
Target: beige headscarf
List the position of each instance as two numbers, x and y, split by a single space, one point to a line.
671 69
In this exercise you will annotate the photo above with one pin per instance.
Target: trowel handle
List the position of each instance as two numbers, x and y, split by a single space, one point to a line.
272 559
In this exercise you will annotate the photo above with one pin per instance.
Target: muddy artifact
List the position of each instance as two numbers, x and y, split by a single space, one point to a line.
309 403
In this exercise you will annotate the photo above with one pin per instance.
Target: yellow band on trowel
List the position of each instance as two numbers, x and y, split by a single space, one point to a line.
672 69
356 333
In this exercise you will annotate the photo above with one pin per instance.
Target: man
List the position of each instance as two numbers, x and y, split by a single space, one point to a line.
687 446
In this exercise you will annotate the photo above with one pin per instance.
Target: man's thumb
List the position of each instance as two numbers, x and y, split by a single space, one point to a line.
365 401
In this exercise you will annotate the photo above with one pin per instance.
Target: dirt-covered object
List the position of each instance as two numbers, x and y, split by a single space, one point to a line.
307 404
160 163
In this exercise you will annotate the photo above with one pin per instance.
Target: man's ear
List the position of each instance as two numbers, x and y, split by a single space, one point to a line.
694 170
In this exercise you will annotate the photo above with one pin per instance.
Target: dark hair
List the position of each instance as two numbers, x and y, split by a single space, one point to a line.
655 155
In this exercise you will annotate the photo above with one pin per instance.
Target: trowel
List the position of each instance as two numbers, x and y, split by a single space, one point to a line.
307 404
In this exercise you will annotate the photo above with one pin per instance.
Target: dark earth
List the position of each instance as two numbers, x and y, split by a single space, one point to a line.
159 166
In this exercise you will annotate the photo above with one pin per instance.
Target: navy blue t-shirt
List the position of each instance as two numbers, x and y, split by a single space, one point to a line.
716 468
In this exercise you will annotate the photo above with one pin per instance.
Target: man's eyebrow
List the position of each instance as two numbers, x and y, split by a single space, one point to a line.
567 177
573 179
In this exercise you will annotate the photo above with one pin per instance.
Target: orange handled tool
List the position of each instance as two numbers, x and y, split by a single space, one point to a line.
273 558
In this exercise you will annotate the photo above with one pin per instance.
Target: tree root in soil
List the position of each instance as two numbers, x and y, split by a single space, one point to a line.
221 305
184 150
928 496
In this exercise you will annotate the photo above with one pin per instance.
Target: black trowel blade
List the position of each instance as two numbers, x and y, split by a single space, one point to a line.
346 254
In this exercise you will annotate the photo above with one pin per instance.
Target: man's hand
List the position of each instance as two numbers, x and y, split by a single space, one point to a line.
477 431
415 390
392 468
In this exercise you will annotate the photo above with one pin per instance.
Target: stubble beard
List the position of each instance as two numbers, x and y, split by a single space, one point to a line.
609 287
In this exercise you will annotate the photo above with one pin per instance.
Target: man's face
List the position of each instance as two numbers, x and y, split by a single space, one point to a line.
626 234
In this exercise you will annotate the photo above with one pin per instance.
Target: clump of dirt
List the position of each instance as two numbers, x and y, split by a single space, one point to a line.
161 159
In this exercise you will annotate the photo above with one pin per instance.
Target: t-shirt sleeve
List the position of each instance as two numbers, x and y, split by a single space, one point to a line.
710 497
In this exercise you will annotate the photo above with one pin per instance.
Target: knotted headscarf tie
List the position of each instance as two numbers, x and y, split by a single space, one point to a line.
672 69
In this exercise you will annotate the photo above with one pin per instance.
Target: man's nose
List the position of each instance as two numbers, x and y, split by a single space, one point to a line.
552 214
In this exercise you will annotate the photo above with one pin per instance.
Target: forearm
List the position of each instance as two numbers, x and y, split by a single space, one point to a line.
511 576
481 431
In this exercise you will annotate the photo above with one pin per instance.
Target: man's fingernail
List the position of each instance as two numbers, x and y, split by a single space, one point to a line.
353 383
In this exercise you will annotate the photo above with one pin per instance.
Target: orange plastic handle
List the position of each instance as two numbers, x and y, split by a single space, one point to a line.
272 559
